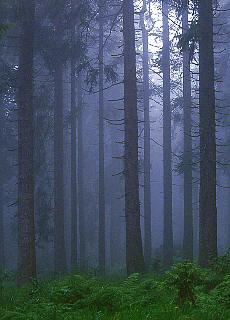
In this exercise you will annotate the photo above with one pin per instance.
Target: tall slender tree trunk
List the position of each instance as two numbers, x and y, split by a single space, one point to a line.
134 252
2 238
82 249
167 150
196 220
73 257
188 214
147 185
26 230
2 163
59 239
207 208
116 219
101 244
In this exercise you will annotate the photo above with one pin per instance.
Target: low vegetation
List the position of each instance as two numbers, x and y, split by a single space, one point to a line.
184 292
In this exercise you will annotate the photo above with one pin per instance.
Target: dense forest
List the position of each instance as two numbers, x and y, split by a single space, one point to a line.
114 126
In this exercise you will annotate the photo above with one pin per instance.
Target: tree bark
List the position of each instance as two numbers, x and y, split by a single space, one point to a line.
117 229
147 185
82 256
196 221
167 149
101 244
26 229
2 238
188 214
59 239
73 257
207 202
134 252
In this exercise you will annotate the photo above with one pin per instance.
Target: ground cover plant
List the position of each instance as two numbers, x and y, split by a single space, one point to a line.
184 292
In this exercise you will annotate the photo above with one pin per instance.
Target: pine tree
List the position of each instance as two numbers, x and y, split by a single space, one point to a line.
134 252
26 229
207 201
167 149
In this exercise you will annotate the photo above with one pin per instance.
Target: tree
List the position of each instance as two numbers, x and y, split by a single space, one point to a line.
81 205
147 166
73 152
188 214
207 200
134 252
101 244
167 149
59 239
26 232
2 164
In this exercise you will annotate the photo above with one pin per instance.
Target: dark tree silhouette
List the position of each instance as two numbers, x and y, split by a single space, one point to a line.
167 149
207 201
134 252
59 238
26 232
188 214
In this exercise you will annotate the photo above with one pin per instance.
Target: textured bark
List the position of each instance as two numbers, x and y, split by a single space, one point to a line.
147 185
2 238
59 239
2 164
82 256
117 229
134 252
188 214
167 149
73 254
196 221
101 244
26 232
207 202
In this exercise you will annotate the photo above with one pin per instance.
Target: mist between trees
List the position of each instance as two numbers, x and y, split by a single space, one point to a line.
114 134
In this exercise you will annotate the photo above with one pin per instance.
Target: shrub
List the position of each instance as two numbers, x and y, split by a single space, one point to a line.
183 278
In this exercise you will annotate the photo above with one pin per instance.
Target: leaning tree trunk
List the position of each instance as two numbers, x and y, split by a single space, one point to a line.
167 149
59 239
101 244
134 252
73 254
207 209
147 185
26 232
188 214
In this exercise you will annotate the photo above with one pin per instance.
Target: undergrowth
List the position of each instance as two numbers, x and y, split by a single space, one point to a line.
184 292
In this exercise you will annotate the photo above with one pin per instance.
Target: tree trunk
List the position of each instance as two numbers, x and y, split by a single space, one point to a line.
167 149
59 239
2 238
207 205
188 215
196 220
147 185
73 257
26 230
116 215
101 244
80 179
134 252
2 165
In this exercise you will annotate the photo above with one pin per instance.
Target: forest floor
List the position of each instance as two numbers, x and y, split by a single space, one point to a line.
185 292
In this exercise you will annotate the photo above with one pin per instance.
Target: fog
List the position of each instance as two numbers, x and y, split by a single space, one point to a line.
74 185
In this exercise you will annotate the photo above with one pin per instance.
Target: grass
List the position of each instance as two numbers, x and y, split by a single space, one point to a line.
186 292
